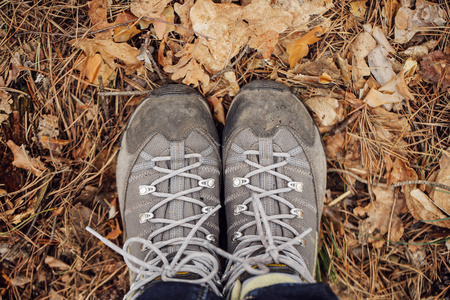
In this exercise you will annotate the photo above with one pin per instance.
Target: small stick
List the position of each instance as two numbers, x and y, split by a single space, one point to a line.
340 198
52 235
431 183
344 124
131 93
149 55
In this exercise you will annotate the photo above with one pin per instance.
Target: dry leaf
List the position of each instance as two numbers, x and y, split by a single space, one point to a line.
194 74
379 221
23 161
124 33
328 110
98 11
5 105
396 90
95 67
418 52
319 67
183 11
52 143
423 208
114 234
113 54
398 85
380 65
361 47
442 197
232 85
56 263
436 67
219 113
417 254
48 125
163 28
345 69
358 8
19 217
20 281
408 22
334 146
379 36
232 26
300 49
148 8
114 209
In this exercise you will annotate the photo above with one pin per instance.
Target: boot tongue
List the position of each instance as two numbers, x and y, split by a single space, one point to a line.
273 268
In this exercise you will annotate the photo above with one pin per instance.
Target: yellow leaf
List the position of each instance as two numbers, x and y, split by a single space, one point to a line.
95 66
92 65
299 49
124 33
219 113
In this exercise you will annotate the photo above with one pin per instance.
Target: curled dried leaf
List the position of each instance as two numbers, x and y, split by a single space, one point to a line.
53 262
219 113
124 33
300 49
24 161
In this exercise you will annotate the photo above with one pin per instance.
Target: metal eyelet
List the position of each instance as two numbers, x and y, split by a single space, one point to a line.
236 235
302 243
297 212
211 238
144 248
144 217
239 181
146 189
209 183
239 208
297 186
207 209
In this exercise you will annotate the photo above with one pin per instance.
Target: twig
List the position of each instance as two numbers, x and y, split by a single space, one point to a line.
130 93
344 124
149 55
431 183
52 235
340 198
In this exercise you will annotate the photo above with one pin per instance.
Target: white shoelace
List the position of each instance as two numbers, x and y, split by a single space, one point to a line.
156 264
273 248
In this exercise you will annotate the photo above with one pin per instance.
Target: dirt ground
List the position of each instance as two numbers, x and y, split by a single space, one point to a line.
375 75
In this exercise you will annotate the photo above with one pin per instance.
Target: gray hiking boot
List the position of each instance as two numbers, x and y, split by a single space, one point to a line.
168 181
275 180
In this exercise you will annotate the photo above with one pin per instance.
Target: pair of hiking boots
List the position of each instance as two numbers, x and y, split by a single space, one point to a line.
172 180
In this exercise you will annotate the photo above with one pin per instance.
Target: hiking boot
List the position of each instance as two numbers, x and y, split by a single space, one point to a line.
275 179
168 181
